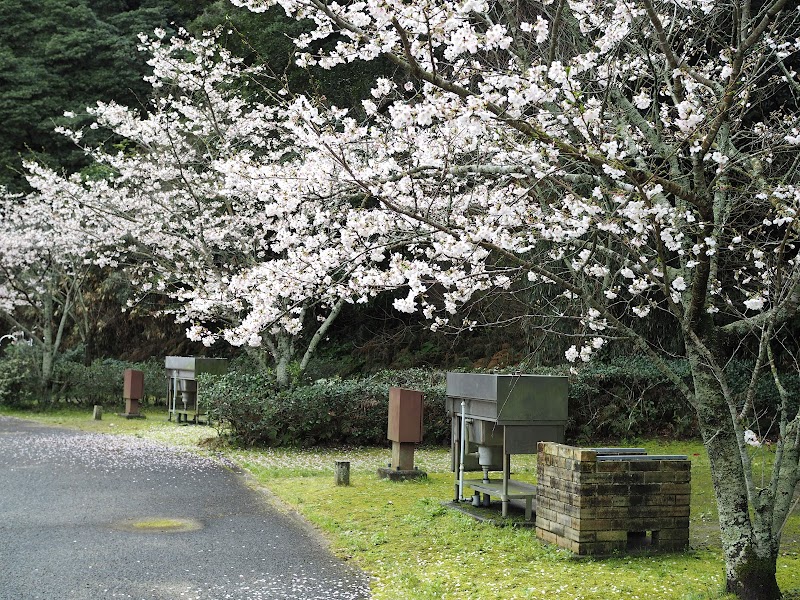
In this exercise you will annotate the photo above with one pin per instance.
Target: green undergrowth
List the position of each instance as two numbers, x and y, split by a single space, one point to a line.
417 548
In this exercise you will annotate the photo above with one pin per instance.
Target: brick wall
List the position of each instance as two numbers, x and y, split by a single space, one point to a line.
592 506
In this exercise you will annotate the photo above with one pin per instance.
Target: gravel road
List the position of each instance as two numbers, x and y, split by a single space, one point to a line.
91 516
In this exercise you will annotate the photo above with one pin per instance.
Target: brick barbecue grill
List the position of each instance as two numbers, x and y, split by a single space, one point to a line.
596 501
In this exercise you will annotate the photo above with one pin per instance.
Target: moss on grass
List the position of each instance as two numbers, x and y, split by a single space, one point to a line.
160 525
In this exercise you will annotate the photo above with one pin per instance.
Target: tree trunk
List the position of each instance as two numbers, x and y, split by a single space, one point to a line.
282 371
283 353
318 335
46 375
750 559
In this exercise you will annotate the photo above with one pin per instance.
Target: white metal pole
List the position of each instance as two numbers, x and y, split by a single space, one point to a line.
463 450
174 393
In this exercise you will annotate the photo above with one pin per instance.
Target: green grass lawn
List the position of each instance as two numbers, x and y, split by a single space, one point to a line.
416 548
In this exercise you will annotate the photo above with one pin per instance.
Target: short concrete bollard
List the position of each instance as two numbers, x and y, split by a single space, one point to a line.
342 472
98 412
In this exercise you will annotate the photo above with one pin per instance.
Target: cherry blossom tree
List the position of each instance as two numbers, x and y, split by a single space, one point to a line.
199 199
42 273
631 159
638 157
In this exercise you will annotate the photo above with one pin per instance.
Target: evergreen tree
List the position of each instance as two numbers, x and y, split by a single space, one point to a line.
60 56
267 39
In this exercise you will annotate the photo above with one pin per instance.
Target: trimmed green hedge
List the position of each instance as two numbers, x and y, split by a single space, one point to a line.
73 381
627 398
101 381
18 382
621 399
351 411
612 401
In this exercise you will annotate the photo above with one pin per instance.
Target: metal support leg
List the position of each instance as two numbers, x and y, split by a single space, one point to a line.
506 477
456 426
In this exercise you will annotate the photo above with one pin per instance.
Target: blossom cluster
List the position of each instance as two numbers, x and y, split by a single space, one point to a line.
613 164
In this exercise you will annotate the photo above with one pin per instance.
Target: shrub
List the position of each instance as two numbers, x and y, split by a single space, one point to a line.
326 412
18 381
333 412
766 403
101 382
97 383
608 401
626 398
629 397
243 401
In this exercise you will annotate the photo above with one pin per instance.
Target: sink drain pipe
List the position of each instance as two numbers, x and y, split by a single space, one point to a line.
463 450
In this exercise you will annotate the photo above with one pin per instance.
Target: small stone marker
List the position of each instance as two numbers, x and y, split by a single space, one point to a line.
342 472
98 412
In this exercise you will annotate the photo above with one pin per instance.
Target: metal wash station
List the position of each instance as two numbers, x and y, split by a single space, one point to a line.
495 416
182 398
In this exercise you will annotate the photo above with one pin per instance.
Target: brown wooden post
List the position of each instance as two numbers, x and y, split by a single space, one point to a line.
405 426
132 391
404 431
